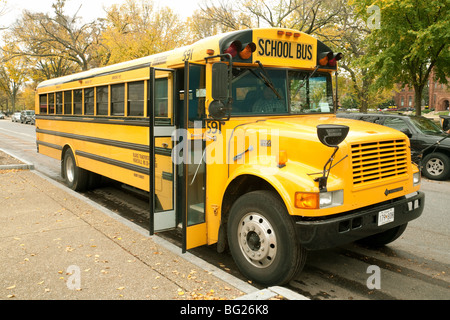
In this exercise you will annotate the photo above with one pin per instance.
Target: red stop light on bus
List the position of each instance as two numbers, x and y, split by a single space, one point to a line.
329 58
245 51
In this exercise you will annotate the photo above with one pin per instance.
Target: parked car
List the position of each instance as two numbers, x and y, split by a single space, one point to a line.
2 115
429 143
15 117
445 123
26 116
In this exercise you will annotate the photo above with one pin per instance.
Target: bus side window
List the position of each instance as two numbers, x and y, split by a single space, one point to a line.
102 100
51 103
89 101
197 93
78 101
59 102
136 98
67 102
118 99
43 104
161 97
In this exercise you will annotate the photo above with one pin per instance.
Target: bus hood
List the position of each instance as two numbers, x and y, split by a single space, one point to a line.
305 128
296 138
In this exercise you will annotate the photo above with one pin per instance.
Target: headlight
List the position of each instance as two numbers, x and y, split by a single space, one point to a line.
331 199
416 178
307 200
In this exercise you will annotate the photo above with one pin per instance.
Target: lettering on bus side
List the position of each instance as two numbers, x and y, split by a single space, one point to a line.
284 49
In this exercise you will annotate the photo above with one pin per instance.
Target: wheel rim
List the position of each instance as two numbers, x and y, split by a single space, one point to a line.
257 240
435 166
70 169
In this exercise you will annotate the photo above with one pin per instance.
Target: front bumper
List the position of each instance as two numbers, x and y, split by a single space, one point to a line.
357 224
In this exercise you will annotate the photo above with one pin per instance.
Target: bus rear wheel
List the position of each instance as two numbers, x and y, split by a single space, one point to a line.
262 239
76 178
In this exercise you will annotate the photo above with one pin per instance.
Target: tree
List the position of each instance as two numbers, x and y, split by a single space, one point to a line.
413 39
58 38
12 77
309 16
135 29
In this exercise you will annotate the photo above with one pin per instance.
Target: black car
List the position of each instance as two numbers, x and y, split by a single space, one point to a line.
426 137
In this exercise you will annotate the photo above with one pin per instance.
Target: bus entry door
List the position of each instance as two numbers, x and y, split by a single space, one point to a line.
194 168
162 169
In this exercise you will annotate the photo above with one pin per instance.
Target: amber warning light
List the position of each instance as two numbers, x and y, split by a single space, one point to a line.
329 58
244 50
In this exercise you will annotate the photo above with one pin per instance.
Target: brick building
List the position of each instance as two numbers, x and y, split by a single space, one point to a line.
439 96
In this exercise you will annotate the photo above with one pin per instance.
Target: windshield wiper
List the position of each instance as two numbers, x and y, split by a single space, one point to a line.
266 79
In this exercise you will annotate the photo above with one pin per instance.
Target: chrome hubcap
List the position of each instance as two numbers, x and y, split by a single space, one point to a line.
257 240
70 169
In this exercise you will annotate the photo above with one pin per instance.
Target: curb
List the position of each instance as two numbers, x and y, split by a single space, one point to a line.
24 166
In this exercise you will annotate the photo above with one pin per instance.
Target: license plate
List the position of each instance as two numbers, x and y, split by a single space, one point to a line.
385 216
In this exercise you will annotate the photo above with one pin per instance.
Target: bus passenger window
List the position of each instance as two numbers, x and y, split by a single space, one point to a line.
118 99
136 99
89 101
161 98
43 104
67 102
59 103
197 93
102 100
51 103
78 101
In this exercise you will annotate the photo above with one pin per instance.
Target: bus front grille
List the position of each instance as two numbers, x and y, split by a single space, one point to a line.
376 161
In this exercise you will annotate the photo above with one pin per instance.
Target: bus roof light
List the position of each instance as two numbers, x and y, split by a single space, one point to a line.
325 57
288 33
248 50
332 62
234 48
280 32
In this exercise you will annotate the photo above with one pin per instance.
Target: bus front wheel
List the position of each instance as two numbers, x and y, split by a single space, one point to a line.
76 178
262 239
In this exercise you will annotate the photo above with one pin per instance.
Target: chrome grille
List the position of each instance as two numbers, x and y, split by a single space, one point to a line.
379 160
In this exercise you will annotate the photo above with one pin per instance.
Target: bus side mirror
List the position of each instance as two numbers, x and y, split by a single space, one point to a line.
220 81
220 92
332 135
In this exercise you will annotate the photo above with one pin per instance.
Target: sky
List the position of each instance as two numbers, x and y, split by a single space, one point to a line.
90 9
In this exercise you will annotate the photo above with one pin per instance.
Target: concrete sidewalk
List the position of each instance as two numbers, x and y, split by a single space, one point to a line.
57 244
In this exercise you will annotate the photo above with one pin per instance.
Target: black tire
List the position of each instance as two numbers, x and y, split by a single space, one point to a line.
262 239
76 178
383 238
436 166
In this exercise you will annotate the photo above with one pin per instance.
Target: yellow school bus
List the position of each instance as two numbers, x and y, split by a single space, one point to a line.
235 140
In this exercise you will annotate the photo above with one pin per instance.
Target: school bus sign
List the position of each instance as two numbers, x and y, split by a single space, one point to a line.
295 49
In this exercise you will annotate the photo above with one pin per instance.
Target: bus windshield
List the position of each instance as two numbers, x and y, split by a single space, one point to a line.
258 91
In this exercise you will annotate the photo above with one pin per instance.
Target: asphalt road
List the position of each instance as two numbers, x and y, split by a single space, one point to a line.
415 266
